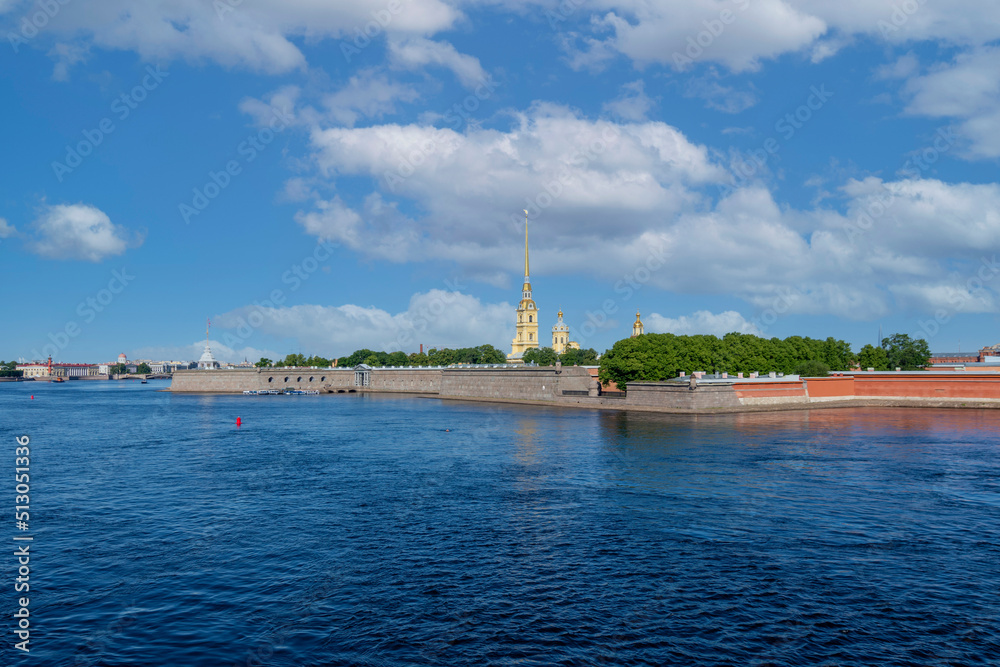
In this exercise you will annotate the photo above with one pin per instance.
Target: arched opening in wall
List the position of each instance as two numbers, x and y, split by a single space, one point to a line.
352 391
298 379
286 378
323 379
270 379
529 318
310 378
340 391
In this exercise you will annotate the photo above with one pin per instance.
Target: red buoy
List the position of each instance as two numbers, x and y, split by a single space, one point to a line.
238 422
32 397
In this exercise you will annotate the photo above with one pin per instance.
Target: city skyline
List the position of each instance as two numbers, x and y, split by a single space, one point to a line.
323 179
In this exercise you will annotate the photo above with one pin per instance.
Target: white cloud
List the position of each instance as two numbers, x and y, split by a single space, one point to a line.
739 34
257 35
78 231
719 97
632 104
437 318
700 322
192 352
640 197
586 182
680 34
418 52
6 229
369 95
966 89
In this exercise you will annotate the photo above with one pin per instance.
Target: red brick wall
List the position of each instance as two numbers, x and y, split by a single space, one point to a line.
829 387
970 385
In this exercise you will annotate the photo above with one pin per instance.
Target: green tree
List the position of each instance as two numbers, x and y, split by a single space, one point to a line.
418 359
116 369
397 358
573 357
355 358
812 369
543 356
905 353
143 369
490 355
263 363
873 357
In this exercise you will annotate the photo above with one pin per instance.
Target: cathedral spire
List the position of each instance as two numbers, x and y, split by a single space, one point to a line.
525 245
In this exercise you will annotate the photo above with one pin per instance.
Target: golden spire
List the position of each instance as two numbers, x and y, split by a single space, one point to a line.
525 244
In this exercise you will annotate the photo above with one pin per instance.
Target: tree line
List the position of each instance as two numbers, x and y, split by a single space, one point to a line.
482 354
546 356
657 357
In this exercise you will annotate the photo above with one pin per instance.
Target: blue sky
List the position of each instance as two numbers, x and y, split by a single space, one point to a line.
778 167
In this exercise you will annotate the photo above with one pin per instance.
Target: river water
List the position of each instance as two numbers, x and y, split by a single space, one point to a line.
378 530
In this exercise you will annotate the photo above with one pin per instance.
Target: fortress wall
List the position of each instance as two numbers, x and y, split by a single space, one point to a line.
966 386
420 380
771 393
830 388
672 396
544 383
234 381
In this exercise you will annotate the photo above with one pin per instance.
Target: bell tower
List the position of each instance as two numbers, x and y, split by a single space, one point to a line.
526 334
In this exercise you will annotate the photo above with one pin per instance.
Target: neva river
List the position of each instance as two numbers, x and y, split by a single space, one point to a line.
368 530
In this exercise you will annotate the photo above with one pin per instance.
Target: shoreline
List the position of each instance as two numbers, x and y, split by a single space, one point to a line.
896 402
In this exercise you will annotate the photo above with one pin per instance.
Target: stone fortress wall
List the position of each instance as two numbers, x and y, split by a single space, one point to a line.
574 386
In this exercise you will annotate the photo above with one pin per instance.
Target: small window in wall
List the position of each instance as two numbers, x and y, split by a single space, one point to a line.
310 378
530 336
270 379
323 379
298 379
286 378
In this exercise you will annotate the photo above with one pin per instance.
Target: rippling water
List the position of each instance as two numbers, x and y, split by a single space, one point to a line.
367 530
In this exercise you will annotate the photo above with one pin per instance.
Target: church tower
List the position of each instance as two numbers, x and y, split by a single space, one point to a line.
560 337
637 328
526 336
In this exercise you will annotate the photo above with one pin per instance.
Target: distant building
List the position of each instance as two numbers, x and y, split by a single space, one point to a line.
36 369
560 336
73 370
988 356
637 328
526 324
